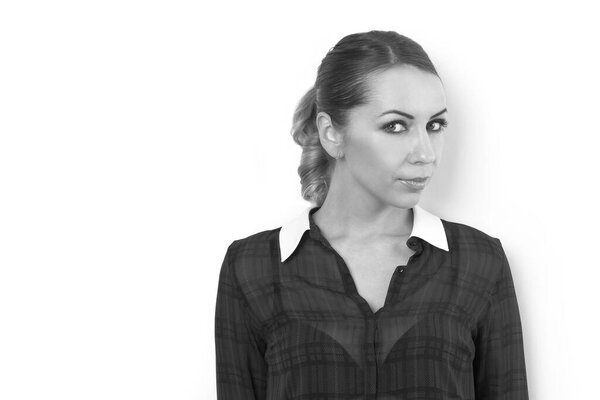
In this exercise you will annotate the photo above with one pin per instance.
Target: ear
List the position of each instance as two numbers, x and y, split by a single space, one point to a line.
330 137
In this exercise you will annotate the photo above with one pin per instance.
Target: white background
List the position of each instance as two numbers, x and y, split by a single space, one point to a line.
139 138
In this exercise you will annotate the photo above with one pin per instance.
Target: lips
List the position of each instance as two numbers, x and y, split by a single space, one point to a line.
417 184
416 179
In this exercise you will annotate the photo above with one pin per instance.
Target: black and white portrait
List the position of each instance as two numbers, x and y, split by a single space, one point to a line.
284 201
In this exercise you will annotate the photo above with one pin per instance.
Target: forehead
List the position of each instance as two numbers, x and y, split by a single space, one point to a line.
407 88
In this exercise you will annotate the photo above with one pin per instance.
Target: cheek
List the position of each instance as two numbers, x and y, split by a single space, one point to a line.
438 147
374 161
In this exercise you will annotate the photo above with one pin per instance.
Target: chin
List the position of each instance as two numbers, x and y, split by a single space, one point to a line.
406 200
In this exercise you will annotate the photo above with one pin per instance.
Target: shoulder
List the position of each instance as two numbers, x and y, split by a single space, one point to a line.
255 245
475 251
252 258
463 237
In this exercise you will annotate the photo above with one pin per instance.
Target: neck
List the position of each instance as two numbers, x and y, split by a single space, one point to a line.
350 211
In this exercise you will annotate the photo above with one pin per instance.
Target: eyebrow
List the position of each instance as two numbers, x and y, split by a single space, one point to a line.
411 116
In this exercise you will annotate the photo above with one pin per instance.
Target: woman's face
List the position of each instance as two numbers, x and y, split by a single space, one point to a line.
398 135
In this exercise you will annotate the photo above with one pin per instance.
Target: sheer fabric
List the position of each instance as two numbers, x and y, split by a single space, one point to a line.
298 328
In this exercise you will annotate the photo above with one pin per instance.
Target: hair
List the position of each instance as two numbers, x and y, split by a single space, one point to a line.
341 84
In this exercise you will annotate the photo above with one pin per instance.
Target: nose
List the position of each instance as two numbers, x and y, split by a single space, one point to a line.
422 149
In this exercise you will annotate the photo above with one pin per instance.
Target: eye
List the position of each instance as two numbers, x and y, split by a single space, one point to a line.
440 124
395 126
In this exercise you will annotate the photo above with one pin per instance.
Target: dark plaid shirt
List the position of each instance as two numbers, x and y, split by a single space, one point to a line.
290 323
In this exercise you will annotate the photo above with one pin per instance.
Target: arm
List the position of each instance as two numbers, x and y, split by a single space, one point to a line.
499 363
240 366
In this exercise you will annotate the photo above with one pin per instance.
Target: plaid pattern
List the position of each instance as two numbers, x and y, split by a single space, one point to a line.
449 329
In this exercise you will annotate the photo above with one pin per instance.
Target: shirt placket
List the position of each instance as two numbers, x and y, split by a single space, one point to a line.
371 367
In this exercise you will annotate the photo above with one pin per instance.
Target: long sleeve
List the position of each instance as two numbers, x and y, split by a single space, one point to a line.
241 370
499 363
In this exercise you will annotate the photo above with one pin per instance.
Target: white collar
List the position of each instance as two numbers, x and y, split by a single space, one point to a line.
426 225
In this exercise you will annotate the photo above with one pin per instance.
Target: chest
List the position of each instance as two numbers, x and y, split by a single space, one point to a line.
372 267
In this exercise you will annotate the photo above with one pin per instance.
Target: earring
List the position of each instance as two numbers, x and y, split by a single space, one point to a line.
339 155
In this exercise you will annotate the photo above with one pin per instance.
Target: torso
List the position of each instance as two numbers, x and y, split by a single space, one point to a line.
372 265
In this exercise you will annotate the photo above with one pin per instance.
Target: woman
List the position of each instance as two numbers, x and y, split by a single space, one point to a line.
366 295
